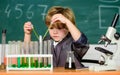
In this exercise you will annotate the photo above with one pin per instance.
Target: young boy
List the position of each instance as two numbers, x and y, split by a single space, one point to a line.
65 35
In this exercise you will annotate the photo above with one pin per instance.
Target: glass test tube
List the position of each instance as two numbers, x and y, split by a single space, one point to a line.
9 52
14 59
3 50
3 59
26 51
40 51
45 50
19 46
36 52
31 52
49 52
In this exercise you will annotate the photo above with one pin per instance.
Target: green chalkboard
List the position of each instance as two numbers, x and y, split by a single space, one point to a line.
93 17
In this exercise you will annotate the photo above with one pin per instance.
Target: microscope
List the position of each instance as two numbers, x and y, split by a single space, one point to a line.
112 60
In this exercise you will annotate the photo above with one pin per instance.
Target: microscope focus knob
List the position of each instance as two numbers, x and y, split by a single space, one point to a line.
117 36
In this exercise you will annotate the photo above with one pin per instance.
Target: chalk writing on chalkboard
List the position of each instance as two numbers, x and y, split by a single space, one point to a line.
105 18
29 13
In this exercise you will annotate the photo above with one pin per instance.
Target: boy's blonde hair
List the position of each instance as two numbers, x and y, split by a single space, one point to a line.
67 12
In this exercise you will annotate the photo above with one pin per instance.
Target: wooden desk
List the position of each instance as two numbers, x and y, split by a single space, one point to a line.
60 71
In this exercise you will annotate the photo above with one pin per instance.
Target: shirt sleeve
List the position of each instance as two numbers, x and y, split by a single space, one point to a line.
80 47
82 41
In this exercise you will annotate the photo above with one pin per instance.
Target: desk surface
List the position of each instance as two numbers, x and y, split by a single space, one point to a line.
60 71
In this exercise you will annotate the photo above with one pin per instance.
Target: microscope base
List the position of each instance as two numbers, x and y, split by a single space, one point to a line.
102 68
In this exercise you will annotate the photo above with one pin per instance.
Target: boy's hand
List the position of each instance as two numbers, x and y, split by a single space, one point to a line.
28 28
59 17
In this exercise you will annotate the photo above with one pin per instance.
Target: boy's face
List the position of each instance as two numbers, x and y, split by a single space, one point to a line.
58 34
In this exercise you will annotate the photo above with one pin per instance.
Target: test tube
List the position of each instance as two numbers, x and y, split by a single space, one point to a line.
40 51
49 52
36 52
3 50
31 52
19 45
22 52
26 51
9 53
45 52
14 59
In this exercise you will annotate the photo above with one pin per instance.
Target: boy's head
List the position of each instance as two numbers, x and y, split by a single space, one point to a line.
59 30
67 12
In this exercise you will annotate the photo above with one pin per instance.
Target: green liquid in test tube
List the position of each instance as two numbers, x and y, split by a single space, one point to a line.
32 62
49 65
27 62
14 65
23 62
41 64
18 62
36 63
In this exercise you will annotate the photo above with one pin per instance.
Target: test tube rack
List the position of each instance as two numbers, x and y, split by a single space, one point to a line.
29 56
